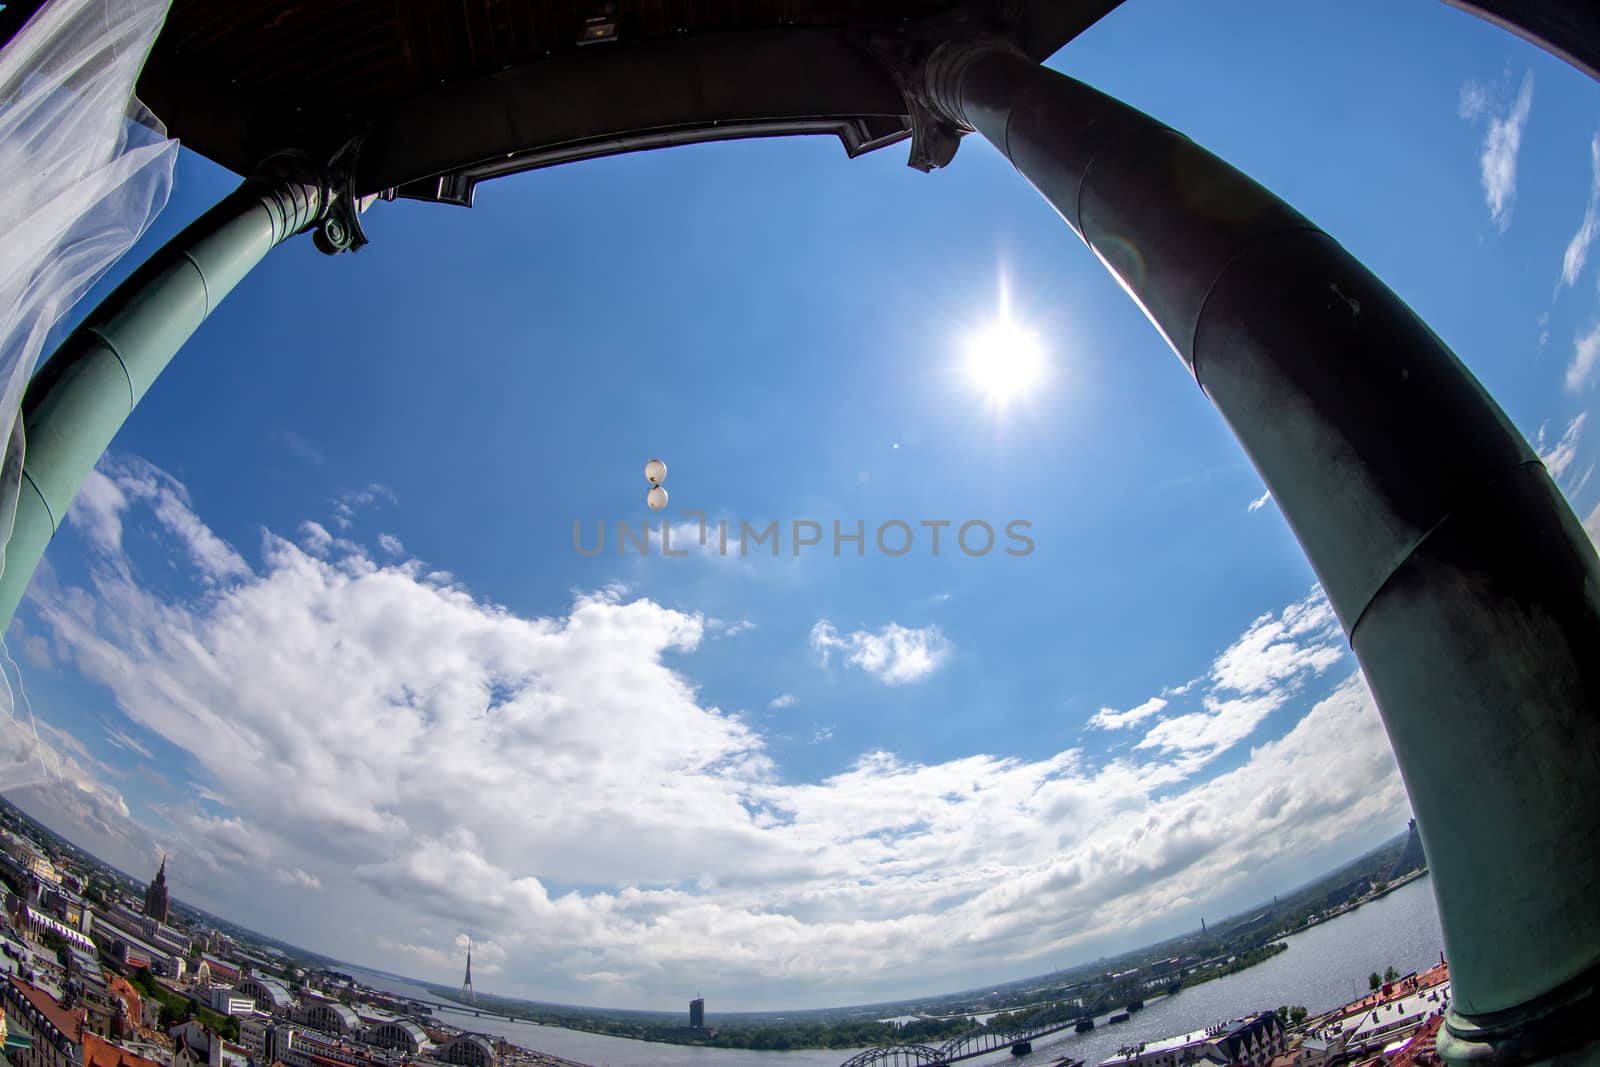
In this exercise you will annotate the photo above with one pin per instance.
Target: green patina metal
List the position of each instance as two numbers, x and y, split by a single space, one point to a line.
79 400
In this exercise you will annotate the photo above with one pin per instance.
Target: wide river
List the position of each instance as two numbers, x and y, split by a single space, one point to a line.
1325 966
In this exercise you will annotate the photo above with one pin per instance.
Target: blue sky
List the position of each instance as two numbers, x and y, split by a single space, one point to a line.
317 626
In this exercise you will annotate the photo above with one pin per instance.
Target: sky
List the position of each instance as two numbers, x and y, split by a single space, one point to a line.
320 629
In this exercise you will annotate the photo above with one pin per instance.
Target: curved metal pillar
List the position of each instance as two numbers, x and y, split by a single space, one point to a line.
1469 590
78 400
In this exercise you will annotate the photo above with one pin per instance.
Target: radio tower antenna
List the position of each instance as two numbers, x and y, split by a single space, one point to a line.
466 983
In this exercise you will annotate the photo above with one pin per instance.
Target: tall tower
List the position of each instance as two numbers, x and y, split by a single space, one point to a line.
466 983
155 897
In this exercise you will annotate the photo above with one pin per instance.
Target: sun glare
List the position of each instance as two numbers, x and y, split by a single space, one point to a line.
1005 361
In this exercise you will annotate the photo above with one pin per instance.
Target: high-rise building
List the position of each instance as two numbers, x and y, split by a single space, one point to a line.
155 898
697 1013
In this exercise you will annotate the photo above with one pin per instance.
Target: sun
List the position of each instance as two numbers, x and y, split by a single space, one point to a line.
1005 361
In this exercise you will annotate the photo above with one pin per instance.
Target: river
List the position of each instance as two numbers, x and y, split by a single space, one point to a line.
1325 966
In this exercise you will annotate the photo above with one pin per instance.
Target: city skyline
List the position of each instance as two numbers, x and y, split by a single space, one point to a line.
369 694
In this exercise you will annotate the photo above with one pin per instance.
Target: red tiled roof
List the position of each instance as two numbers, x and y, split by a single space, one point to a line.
99 1053
123 989
69 1023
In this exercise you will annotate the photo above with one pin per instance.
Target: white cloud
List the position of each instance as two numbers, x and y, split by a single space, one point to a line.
1111 719
347 502
723 628
637 829
1260 502
1578 248
391 544
894 655
1585 357
1562 454
1252 678
315 537
783 700
1502 139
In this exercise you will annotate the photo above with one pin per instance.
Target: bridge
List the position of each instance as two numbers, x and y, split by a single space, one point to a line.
976 1042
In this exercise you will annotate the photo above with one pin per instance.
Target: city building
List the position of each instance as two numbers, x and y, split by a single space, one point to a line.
329 1016
101 1053
468 1050
697 1013
402 1035
1372 1028
55 1034
270 995
218 970
155 897
130 1013
35 924
227 1001
1249 1042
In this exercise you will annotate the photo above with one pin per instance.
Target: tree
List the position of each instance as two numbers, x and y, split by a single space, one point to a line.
1374 980
1390 974
1283 1012
1297 1014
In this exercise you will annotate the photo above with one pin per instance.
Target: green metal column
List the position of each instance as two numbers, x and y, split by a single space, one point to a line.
78 400
1469 590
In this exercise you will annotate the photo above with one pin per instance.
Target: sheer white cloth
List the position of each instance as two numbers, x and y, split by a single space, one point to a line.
84 167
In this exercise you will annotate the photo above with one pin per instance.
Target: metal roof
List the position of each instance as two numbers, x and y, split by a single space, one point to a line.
447 92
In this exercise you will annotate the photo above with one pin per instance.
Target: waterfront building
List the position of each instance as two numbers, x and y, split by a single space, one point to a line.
469 1050
155 897
1375 1027
697 1013
1252 1042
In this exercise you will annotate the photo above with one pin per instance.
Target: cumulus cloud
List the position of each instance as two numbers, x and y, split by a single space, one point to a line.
391 544
561 784
1585 357
1560 455
783 700
894 655
1505 118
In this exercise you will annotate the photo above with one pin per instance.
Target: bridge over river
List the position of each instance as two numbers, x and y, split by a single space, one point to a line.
976 1042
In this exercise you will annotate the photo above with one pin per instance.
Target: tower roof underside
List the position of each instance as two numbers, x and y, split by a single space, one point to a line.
448 92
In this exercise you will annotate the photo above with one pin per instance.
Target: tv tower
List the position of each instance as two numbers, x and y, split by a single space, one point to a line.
466 983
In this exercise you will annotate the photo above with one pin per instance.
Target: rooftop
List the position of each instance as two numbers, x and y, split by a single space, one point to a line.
70 1023
98 1052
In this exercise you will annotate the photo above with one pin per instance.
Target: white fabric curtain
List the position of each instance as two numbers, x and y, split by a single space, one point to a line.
84 167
